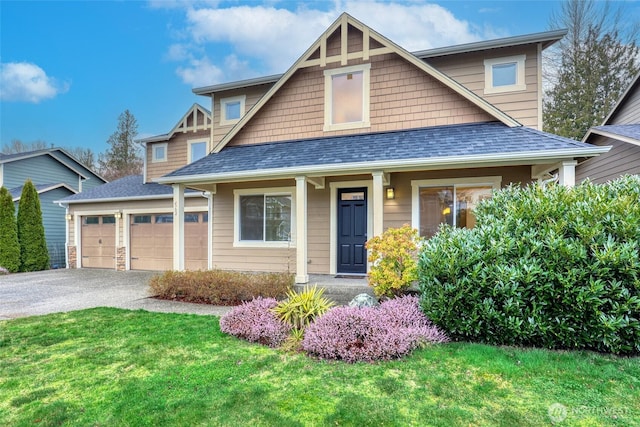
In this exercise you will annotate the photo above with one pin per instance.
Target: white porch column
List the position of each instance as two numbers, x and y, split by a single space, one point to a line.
378 203
210 230
178 227
567 173
301 230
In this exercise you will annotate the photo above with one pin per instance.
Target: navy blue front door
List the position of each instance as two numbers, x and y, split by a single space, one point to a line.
352 230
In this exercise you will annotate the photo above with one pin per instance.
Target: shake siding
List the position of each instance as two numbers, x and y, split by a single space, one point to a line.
468 69
41 170
401 97
253 94
177 155
623 158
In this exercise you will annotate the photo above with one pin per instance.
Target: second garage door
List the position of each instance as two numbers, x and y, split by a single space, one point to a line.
151 238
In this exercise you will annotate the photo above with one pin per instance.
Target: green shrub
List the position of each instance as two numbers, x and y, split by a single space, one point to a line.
9 245
220 287
393 256
34 255
302 308
554 267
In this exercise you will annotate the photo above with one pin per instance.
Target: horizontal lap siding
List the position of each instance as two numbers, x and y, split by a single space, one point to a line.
176 153
42 169
468 70
629 112
623 158
318 211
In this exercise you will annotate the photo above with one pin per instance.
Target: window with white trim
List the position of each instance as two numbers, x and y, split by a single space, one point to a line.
504 74
346 97
263 217
159 152
231 109
452 202
197 150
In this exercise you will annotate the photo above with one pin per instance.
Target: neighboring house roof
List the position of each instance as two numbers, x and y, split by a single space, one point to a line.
440 146
627 133
130 187
341 24
182 124
16 192
547 38
70 162
635 84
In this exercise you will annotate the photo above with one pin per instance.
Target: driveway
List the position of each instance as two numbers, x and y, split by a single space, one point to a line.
53 291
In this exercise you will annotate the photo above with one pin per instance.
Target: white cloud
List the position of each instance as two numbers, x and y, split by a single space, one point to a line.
24 81
266 39
200 72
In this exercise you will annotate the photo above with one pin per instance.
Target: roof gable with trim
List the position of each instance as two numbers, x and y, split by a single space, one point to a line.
197 118
371 44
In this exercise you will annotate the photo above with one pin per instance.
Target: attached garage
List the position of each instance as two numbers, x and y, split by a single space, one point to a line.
151 241
98 240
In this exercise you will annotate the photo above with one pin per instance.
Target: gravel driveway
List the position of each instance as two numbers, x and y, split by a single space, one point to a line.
52 291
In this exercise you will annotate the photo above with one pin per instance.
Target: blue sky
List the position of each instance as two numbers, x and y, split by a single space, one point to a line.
70 68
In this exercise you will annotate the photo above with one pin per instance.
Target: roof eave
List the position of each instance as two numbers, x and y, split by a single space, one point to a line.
124 199
612 135
258 81
529 157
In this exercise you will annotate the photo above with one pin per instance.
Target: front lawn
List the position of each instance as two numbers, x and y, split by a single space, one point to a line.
117 367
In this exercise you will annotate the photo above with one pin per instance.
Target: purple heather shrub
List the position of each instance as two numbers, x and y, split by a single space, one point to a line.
3 271
368 334
255 321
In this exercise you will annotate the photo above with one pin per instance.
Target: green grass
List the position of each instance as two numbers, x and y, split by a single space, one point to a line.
106 367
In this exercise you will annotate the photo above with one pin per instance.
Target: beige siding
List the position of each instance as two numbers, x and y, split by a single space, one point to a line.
623 158
629 112
468 69
253 94
401 97
177 155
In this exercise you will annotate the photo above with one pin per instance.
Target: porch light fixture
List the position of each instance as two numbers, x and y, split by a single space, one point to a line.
391 193
446 211
117 215
68 217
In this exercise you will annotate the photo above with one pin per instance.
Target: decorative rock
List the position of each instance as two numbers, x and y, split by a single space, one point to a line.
363 300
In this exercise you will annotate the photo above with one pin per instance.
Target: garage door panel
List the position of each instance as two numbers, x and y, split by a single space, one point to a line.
98 241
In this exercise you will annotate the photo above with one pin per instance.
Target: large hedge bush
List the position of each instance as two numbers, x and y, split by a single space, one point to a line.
9 246
552 267
34 255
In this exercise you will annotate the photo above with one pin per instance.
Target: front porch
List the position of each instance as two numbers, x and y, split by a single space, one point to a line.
341 290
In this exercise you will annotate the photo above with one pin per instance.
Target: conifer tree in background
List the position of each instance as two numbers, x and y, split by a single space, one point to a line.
9 246
34 255
123 157
590 68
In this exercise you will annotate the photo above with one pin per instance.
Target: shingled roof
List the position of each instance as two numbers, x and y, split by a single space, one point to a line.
423 146
631 131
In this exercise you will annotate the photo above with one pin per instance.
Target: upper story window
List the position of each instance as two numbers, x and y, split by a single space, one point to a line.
159 152
231 109
504 74
197 150
449 201
346 96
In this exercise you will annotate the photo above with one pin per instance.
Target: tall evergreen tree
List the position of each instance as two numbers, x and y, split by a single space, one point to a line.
9 246
591 67
123 157
34 255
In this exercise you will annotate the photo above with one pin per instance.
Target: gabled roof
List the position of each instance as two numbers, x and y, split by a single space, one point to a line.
129 187
388 46
635 85
183 124
16 192
462 146
56 153
547 38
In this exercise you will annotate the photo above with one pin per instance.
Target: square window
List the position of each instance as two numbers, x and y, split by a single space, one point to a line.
262 219
347 97
159 152
197 150
504 74
231 109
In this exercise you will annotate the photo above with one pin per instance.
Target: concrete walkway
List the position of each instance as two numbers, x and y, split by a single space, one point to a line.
53 291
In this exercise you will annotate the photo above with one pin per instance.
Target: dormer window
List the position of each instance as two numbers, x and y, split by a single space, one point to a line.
347 97
504 74
159 152
231 109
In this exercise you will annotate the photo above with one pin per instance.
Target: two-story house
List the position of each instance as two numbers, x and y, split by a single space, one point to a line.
621 131
358 135
56 174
